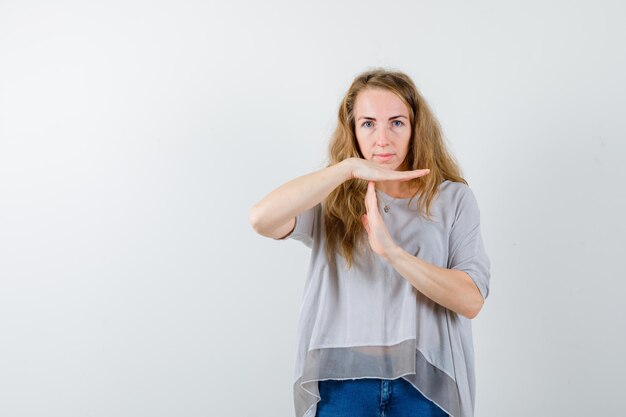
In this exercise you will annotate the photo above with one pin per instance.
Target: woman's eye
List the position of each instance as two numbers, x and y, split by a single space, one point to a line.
367 124
399 123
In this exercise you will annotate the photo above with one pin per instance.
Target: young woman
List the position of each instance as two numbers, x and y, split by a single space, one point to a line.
398 266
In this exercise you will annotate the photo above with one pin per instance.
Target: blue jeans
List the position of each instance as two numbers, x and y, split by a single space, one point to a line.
373 397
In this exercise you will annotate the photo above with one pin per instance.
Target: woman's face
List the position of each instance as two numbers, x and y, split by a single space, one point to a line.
381 125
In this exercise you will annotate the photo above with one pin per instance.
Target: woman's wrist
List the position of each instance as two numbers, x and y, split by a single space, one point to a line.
393 254
347 166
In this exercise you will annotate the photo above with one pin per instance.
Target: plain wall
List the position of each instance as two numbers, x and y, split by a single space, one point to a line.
136 135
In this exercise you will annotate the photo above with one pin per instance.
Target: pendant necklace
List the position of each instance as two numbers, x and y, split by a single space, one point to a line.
387 205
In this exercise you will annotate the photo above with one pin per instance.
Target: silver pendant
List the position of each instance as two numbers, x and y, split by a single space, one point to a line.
386 208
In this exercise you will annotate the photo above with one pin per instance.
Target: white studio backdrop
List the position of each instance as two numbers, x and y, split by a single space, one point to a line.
136 135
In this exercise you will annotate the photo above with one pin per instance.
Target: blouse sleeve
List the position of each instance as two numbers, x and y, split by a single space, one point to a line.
305 227
466 249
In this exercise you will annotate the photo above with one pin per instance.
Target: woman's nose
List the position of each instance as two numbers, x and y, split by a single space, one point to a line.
382 137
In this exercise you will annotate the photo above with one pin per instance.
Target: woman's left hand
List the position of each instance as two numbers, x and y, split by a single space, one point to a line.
380 240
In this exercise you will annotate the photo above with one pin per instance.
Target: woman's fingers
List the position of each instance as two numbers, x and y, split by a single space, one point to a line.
371 205
371 171
407 175
370 197
378 235
390 175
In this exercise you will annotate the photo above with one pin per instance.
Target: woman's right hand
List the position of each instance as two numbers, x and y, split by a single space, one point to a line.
371 171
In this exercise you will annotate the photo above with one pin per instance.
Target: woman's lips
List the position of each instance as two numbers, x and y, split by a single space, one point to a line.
383 156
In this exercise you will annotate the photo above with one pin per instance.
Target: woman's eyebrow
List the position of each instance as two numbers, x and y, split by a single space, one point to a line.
372 118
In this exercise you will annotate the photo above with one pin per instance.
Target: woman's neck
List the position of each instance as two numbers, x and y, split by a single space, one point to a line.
397 189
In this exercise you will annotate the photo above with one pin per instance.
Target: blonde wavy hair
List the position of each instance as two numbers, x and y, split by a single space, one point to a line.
345 205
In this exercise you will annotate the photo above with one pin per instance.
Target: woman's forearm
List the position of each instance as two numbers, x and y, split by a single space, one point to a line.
451 288
292 198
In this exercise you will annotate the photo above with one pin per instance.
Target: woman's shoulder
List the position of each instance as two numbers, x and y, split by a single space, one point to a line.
453 188
457 195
